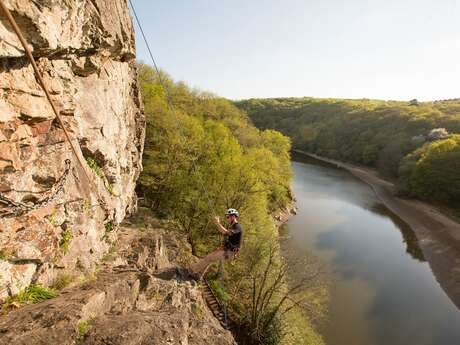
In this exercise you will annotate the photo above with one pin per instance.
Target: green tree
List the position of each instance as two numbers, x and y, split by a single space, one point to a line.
203 157
375 133
433 171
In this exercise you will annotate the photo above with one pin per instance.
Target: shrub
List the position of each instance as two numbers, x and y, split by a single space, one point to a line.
63 280
82 328
64 243
99 172
32 294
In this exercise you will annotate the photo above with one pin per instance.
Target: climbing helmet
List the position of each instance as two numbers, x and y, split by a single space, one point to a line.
232 212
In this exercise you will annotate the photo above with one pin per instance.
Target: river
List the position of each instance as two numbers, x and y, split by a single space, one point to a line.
383 291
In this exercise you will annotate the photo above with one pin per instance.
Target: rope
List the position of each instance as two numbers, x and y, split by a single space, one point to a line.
41 82
148 46
170 104
39 77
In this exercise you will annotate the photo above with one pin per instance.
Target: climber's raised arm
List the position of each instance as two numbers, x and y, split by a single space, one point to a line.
220 227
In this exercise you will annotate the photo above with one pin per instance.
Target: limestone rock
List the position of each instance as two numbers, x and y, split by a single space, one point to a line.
85 51
130 305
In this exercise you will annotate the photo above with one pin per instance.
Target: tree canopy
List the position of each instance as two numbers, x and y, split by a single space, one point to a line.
202 156
392 136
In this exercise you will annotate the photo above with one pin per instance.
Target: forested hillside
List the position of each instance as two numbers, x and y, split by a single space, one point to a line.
203 156
414 142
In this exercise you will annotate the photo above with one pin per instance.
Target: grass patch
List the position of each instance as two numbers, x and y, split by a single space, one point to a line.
32 294
86 206
95 167
109 188
196 310
82 328
110 255
108 229
85 278
62 281
155 296
220 293
64 243
99 172
6 254
98 269
52 218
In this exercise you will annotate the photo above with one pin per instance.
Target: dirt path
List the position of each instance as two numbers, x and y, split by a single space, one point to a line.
437 234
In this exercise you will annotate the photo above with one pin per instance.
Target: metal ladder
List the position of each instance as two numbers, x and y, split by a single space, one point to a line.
215 306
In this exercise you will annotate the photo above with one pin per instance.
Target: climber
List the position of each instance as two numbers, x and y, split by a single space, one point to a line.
233 236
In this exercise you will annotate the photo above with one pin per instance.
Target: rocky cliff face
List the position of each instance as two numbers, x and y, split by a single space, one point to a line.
52 218
135 299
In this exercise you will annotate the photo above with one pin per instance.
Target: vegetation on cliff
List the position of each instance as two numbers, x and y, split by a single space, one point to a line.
203 157
410 141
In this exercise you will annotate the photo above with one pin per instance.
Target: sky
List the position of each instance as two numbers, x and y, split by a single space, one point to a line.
239 49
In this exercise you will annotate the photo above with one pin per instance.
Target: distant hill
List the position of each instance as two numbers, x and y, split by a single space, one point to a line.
414 142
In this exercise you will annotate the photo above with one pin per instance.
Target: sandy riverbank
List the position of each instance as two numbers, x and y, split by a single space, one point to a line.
437 234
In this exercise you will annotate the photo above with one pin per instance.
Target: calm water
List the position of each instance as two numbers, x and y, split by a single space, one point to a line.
384 293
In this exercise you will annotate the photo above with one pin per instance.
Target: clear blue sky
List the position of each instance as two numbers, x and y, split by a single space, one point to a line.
386 49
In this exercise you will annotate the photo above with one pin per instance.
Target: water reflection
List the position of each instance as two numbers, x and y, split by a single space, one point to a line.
381 295
412 246
329 182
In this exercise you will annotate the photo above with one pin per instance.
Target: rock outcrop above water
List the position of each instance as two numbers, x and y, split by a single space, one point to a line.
135 299
86 53
283 215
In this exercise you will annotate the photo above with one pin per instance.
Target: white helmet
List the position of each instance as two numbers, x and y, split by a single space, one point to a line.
232 212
